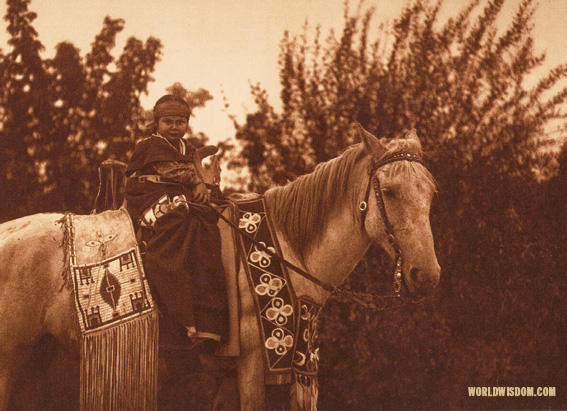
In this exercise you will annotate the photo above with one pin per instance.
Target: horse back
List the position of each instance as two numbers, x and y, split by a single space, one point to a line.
33 299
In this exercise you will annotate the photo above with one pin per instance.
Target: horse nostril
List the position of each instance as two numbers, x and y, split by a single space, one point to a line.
413 275
423 280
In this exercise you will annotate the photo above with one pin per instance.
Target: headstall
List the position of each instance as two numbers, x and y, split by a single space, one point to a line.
363 207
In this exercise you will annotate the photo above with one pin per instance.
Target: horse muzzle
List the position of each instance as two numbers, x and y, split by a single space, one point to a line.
422 280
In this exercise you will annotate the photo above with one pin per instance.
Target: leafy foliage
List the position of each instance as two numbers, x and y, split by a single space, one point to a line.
62 116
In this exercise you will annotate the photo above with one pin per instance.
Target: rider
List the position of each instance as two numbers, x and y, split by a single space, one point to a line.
182 259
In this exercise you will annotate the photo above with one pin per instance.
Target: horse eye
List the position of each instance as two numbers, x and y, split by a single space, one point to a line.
388 192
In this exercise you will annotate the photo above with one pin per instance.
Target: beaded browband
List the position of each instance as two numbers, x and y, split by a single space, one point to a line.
363 207
395 157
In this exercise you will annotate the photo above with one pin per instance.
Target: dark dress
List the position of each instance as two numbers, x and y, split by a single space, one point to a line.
183 257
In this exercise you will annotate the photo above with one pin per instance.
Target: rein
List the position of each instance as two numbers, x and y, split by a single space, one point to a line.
357 297
326 286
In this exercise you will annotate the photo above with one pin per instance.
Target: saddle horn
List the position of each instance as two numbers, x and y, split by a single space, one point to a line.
205 151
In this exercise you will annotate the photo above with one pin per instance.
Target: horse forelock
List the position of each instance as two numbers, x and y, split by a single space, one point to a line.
302 209
401 145
407 168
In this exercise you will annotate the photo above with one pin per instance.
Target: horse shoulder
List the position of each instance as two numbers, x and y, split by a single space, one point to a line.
250 364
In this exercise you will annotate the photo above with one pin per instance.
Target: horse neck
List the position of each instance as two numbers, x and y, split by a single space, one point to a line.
332 259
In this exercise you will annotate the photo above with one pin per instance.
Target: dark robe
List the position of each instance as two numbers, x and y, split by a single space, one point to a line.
183 257
148 153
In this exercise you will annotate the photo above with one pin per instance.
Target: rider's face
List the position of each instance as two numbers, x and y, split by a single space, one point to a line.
172 127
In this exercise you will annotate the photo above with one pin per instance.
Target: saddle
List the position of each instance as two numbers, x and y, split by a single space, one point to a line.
112 179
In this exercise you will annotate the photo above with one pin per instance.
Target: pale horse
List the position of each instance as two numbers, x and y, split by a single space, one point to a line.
320 226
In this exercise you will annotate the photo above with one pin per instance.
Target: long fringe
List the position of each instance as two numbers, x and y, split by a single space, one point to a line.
304 392
119 366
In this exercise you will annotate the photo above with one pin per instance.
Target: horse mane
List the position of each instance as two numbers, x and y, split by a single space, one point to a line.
301 209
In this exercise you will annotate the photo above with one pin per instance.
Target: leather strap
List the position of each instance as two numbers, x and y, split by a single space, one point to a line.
154 179
303 273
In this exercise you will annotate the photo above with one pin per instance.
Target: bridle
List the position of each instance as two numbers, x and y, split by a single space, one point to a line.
374 181
360 298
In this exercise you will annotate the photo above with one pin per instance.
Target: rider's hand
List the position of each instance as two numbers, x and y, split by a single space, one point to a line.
201 194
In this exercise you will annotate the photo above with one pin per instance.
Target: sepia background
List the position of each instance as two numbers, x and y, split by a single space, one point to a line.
278 86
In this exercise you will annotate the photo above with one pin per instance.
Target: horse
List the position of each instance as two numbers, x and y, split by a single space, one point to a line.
324 221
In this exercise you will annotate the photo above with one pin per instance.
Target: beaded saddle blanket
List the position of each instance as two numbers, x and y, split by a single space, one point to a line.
105 264
116 315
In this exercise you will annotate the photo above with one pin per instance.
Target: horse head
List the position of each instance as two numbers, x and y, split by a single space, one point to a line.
405 189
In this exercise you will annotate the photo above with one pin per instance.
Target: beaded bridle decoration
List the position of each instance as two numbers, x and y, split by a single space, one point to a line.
363 207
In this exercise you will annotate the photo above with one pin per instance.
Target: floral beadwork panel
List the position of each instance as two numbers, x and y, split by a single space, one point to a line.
272 291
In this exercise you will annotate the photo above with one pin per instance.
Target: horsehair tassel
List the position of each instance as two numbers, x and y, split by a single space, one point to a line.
65 245
293 400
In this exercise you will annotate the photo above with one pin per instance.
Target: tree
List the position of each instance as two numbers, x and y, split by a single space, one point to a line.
61 117
460 86
25 109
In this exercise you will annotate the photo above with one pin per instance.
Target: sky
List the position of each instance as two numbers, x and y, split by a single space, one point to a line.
226 45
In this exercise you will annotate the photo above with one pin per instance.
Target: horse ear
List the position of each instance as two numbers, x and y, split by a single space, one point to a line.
411 135
371 142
